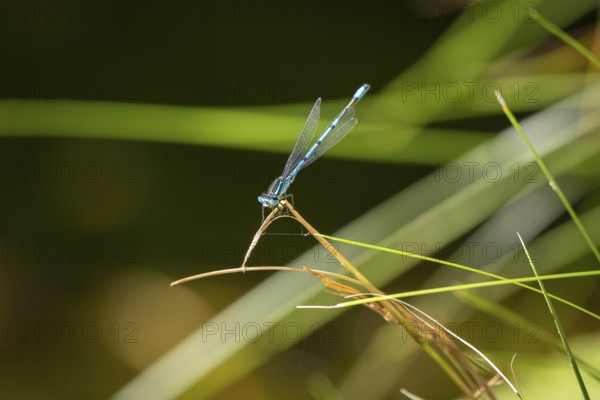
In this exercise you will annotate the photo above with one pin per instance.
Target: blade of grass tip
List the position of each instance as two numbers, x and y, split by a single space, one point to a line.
269 268
548 175
562 35
512 370
409 395
561 332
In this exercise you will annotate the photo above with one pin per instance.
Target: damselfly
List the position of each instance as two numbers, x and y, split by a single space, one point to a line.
302 156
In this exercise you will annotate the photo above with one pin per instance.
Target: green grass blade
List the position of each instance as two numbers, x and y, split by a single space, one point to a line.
559 327
549 176
469 286
510 317
501 280
555 30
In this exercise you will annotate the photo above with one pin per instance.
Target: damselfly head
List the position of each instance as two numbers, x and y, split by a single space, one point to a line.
267 201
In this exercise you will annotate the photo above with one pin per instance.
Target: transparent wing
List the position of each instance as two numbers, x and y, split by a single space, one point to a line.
346 124
304 140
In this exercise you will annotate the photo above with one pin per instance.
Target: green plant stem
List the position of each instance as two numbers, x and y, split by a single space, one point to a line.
401 316
548 175
559 327
502 280
556 31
